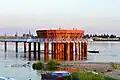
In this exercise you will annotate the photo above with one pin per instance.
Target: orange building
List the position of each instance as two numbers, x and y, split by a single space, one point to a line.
65 44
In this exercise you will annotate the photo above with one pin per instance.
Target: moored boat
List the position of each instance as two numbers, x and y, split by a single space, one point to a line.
7 78
56 75
93 51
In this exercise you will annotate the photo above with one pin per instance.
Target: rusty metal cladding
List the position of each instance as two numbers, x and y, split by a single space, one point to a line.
85 51
82 51
60 33
68 51
76 51
63 50
55 51
52 50
46 52
71 51
79 49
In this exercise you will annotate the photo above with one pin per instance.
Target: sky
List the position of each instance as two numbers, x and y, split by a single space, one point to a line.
93 16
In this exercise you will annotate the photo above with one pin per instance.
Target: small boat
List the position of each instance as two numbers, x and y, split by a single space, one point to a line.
93 51
56 75
7 78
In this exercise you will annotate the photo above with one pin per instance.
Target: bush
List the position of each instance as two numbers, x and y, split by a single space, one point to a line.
39 65
87 76
53 65
109 78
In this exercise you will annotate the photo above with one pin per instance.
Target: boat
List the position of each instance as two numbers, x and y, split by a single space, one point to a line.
7 78
56 75
93 51
90 40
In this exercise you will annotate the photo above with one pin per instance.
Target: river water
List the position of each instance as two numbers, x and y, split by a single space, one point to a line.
109 52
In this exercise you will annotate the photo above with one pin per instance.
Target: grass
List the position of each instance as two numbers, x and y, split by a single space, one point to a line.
115 65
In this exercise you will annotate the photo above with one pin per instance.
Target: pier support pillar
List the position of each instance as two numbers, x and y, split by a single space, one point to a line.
25 49
38 51
66 51
61 51
71 51
84 51
34 50
5 46
29 48
79 45
46 52
57 50
16 46
52 56
76 51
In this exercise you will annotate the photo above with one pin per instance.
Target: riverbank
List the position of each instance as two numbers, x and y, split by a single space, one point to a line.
103 68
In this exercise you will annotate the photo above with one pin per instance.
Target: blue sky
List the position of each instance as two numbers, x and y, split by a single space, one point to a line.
94 16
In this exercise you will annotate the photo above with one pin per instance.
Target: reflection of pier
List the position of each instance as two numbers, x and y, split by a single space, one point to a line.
65 45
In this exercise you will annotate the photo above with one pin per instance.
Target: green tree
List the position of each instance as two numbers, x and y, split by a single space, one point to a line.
53 65
39 65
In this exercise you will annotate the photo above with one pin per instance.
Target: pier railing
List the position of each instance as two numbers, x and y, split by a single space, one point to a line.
42 40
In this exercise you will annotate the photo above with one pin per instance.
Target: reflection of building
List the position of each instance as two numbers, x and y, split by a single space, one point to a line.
64 50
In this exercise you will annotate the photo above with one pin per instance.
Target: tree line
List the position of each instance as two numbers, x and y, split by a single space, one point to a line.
99 36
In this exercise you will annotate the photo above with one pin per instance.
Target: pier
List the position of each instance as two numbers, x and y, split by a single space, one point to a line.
66 45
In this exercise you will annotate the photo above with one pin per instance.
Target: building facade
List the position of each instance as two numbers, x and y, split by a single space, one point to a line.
66 45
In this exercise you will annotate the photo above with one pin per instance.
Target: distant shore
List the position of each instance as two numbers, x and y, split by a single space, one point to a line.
103 39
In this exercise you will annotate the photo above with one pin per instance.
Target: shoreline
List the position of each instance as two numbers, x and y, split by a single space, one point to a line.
105 68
